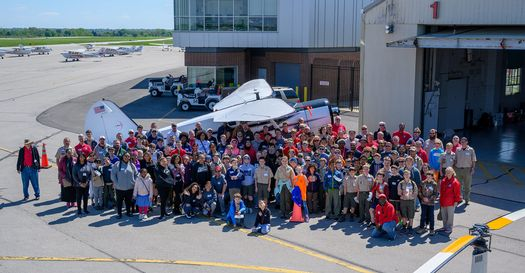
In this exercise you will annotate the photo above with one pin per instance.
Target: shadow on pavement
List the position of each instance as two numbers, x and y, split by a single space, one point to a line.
47 203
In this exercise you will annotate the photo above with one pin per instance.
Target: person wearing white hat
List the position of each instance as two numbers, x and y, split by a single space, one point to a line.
28 166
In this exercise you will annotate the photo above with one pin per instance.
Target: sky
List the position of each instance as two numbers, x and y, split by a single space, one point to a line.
112 14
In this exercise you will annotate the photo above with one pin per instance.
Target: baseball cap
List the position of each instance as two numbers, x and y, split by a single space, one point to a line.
218 168
382 196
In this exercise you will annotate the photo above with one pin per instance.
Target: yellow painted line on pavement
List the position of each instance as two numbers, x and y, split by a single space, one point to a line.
458 244
305 251
150 261
485 171
510 174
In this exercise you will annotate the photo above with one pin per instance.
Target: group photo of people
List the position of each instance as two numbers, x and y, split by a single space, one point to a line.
372 177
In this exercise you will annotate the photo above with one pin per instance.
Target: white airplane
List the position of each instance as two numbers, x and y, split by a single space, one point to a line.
76 55
109 51
250 102
19 51
127 50
41 50
89 46
479 237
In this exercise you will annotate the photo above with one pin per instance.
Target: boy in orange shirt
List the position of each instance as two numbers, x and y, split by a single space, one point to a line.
301 181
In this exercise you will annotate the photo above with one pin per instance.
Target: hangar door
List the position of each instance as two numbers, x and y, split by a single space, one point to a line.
452 104
287 75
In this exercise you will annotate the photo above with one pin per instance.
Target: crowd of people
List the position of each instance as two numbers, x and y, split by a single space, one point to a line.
377 177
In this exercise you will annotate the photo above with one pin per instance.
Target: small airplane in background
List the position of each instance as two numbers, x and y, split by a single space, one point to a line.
2 54
126 50
41 50
76 55
18 51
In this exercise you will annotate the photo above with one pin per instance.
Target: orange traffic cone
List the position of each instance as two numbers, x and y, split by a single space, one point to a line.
44 164
296 214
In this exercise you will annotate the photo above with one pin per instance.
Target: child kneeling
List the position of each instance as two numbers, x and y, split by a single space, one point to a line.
192 200
236 213
262 223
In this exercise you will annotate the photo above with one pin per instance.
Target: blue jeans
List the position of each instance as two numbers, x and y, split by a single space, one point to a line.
263 229
428 216
30 174
387 229
188 209
305 209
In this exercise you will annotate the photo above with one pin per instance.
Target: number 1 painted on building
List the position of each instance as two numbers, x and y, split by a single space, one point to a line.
434 6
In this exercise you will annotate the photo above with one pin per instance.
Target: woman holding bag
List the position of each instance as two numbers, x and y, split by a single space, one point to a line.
65 176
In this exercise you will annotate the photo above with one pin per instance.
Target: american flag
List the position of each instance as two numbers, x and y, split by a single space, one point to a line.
99 109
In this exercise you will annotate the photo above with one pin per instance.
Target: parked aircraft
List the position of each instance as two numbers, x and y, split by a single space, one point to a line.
249 103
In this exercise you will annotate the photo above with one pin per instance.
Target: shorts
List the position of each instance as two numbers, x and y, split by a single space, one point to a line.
407 209
396 204
248 190
348 200
262 191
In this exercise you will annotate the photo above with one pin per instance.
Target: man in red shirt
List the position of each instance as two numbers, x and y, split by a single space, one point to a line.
131 140
82 147
421 152
28 165
402 134
338 126
385 219
290 146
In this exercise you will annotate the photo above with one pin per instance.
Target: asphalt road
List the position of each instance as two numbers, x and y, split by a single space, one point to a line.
45 99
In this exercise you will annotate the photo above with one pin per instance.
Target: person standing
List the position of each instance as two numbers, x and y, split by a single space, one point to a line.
143 193
434 159
165 182
262 177
349 189
428 193
82 173
123 174
284 175
65 173
408 192
465 167
449 199
402 134
333 180
28 166
364 183
247 185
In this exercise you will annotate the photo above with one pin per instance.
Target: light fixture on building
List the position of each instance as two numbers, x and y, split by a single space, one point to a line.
389 28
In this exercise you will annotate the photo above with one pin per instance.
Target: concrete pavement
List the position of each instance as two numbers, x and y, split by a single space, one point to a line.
60 93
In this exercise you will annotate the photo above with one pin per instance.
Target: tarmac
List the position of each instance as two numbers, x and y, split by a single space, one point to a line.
45 99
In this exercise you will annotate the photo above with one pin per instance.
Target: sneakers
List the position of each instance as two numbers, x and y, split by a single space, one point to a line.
431 232
119 216
161 218
403 230
420 230
188 216
307 219
26 198
371 224
38 197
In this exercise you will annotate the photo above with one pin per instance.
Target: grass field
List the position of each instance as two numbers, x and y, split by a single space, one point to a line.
167 41
10 42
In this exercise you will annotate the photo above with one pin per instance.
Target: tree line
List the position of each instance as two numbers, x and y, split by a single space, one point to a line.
72 32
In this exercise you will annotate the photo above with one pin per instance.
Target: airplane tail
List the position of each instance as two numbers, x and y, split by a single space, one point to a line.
105 118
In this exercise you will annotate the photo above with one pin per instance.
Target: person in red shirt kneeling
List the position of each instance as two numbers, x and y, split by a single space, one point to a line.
385 219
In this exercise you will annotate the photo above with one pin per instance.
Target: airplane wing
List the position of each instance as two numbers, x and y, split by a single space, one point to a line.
246 93
105 118
259 110
448 253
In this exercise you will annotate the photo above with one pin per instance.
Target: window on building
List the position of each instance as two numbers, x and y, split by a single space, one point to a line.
197 7
211 23
226 8
197 23
225 15
255 23
241 23
226 23
240 7
513 81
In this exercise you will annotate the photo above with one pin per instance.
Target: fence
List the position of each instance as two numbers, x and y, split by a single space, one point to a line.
339 83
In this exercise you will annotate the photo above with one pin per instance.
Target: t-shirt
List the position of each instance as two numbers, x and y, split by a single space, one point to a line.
434 158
